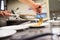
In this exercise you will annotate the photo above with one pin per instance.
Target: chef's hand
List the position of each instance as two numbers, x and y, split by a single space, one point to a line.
5 13
37 8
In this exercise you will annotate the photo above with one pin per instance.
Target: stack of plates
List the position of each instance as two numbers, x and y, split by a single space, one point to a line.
16 27
24 26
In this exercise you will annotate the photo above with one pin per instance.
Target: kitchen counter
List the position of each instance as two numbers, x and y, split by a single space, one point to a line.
31 32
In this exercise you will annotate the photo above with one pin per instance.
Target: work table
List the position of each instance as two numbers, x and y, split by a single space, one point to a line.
42 33
31 32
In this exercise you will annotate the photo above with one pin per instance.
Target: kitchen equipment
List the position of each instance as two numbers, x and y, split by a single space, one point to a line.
55 28
40 21
14 17
6 33
33 34
40 18
15 22
54 16
37 36
23 26
2 5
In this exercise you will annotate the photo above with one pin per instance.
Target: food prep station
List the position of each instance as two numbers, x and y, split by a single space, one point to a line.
45 32
41 33
19 26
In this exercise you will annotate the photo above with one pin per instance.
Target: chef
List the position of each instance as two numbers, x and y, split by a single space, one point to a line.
35 7
30 3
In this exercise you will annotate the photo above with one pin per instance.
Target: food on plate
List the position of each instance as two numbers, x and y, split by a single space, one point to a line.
38 23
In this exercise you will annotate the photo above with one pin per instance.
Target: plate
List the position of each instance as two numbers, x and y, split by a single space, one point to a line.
33 24
15 27
23 26
53 21
56 30
6 33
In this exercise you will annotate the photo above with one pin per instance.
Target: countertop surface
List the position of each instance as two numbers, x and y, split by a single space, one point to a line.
29 33
32 34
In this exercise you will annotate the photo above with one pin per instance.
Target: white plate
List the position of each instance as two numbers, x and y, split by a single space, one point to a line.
43 24
56 30
23 26
6 33
53 21
16 27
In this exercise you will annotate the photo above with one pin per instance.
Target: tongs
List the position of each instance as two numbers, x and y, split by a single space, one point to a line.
40 21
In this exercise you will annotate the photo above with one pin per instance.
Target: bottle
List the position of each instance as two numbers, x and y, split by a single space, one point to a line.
54 17
2 4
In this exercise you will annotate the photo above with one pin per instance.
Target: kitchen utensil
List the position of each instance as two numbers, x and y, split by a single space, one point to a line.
15 22
2 5
40 21
40 18
6 33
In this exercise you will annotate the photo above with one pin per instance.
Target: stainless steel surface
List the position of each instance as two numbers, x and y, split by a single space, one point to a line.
55 29
3 21
21 34
30 33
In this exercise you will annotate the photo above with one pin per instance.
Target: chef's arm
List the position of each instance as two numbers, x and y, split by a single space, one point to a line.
35 6
28 2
